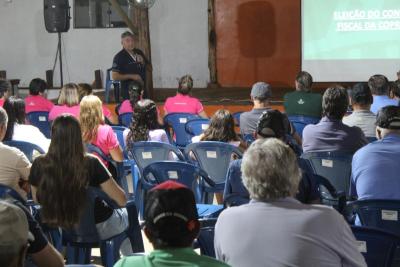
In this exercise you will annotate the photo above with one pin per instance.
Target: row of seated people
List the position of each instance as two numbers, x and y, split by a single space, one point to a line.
336 92
59 182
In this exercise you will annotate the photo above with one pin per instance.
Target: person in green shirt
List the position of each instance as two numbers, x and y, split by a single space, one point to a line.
303 101
171 225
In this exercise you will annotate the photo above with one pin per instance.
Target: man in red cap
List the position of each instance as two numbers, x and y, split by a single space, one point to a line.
171 225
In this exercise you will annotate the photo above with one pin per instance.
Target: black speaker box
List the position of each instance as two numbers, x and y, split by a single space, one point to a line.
56 15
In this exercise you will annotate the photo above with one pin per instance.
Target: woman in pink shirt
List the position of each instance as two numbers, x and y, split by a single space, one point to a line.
135 94
95 132
183 102
36 101
5 87
85 89
68 102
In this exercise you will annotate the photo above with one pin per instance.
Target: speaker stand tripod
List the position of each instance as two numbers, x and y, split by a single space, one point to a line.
60 58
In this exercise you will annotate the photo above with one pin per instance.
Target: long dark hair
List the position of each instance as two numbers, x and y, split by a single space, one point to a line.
144 120
222 128
15 108
63 184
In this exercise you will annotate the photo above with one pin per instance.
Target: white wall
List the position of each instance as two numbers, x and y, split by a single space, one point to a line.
178 34
178 37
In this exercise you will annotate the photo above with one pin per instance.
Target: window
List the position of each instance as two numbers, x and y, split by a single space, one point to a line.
99 14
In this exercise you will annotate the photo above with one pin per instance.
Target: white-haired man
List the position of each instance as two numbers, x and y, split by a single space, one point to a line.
274 228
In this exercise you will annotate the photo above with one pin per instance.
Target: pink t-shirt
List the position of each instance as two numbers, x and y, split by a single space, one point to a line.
58 110
1 102
37 103
125 107
106 139
183 103
106 112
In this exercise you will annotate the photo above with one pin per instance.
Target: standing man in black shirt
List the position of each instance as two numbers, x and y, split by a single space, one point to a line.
129 65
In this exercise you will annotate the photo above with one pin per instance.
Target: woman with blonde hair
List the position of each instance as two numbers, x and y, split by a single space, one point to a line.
68 102
94 131
85 89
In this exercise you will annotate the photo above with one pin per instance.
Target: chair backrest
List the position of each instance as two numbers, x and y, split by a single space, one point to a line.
86 231
378 247
125 119
6 191
176 122
147 152
333 165
299 122
196 126
181 172
213 157
26 147
119 131
40 119
378 213
236 117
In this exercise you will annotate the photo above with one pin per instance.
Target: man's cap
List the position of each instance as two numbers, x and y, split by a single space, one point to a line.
127 34
170 205
271 124
172 189
14 228
388 118
5 85
261 90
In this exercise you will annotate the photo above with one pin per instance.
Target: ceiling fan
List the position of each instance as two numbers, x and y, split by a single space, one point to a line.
142 3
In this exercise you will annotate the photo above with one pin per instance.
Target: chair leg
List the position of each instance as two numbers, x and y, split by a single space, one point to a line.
134 231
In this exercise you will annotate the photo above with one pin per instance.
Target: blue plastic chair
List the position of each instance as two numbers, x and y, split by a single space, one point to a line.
40 119
6 192
146 152
119 166
125 119
84 237
299 122
378 247
196 126
236 117
175 123
377 213
182 172
334 166
27 148
205 240
214 158
110 82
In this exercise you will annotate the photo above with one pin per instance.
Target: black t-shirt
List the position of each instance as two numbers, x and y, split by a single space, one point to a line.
97 174
124 63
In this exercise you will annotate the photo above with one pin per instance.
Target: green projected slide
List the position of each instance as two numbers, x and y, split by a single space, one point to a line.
350 29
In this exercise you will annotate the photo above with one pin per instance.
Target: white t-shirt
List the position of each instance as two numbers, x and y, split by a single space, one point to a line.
158 135
14 165
31 134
